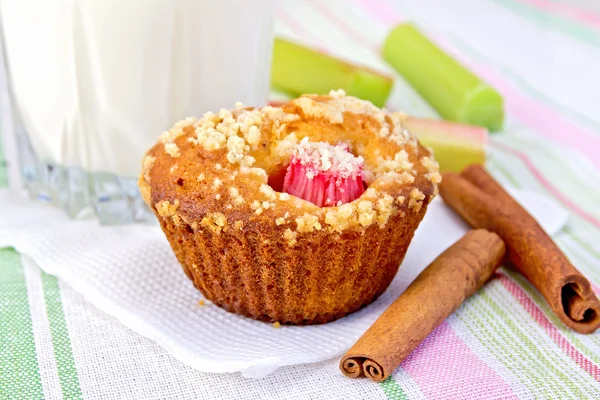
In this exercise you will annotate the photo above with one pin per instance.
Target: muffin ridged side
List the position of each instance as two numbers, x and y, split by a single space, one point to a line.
321 278
272 256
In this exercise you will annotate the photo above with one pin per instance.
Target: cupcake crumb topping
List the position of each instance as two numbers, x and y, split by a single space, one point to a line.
333 110
267 204
215 222
218 186
342 218
416 200
316 109
290 236
433 171
366 213
166 209
268 191
308 223
400 162
234 193
385 208
247 144
257 207
279 221
147 164
172 149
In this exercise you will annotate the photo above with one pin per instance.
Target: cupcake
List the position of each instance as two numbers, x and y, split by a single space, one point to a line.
299 214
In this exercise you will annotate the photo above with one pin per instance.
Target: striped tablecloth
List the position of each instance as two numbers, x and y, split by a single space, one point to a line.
544 56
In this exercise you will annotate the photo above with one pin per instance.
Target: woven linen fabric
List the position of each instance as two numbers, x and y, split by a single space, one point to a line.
503 343
131 273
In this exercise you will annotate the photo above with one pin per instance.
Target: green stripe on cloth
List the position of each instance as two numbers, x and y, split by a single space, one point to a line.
588 267
580 195
3 168
572 230
514 77
576 225
11 271
578 229
559 374
392 389
580 252
495 339
586 245
569 178
3 174
572 28
496 168
541 303
528 89
61 342
515 340
19 372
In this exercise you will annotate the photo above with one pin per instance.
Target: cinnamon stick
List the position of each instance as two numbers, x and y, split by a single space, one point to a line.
436 293
483 203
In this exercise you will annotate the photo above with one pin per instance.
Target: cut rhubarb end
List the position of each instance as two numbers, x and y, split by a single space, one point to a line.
323 174
454 91
455 146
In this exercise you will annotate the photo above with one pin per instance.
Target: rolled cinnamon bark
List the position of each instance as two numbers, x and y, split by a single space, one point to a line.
436 293
483 203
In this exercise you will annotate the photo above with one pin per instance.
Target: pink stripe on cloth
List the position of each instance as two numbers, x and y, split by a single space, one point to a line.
384 12
536 115
389 16
566 10
532 113
445 367
550 329
546 183
443 359
297 28
342 26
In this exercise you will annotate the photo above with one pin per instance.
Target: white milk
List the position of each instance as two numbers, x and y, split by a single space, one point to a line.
96 81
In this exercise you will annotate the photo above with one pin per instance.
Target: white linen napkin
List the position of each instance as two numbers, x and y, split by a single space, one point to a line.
131 273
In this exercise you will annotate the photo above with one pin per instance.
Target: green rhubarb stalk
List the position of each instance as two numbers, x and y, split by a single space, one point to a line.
455 145
455 92
298 70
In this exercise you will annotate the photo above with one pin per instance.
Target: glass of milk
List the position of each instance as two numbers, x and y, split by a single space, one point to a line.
94 82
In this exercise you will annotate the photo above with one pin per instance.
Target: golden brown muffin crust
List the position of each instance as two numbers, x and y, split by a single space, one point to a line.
272 256
199 175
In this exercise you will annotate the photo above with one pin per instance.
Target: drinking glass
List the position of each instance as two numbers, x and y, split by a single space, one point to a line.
94 83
